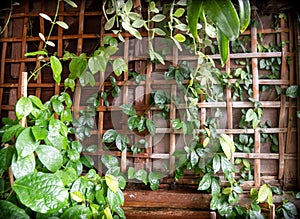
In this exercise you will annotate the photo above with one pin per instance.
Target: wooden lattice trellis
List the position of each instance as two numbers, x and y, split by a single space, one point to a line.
86 32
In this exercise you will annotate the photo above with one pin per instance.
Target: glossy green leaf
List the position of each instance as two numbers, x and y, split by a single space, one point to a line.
36 102
112 182
11 211
133 122
23 107
215 186
151 126
224 16
244 14
50 157
115 199
154 178
77 66
56 68
128 109
94 64
110 136
205 182
39 133
77 212
23 166
223 45
67 175
121 142
141 175
42 192
87 78
216 163
119 66
194 9
293 91
69 83
180 37
179 12
26 143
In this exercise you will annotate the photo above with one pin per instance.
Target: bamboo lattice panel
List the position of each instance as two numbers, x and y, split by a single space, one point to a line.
87 32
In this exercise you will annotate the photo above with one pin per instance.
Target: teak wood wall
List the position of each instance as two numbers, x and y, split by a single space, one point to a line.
87 32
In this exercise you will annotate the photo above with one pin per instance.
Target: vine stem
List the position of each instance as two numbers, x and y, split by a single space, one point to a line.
53 22
9 16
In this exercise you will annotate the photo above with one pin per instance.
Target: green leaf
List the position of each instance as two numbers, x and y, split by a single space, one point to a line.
133 122
110 23
77 196
36 53
194 9
205 182
154 178
77 66
215 186
109 161
224 16
179 12
244 14
26 143
112 183
23 166
67 175
293 91
94 64
50 157
128 109
42 192
121 142
179 37
37 102
69 83
11 211
56 68
23 107
119 66
216 163
71 3
223 45
151 127
62 24
6 155
45 16
227 145
158 18
87 78
263 193
10 133
110 136
131 173
141 175
77 212
138 23
39 133
132 30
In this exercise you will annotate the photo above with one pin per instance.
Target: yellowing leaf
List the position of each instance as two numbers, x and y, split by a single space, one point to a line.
227 145
112 182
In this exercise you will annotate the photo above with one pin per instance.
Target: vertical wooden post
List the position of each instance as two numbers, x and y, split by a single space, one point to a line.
255 87
272 211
